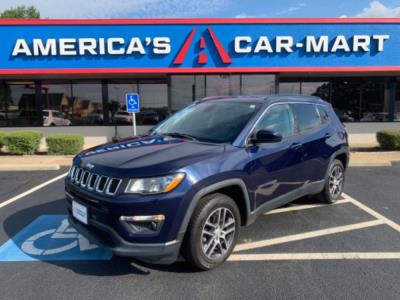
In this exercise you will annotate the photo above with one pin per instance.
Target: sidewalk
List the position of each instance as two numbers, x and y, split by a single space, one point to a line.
44 162
33 162
382 158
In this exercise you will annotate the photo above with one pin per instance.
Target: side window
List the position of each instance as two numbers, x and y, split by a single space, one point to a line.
323 114
278 118
306 116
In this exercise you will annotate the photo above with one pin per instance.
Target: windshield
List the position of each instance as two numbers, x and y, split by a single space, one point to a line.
214 121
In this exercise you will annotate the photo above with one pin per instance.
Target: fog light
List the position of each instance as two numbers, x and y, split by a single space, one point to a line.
143 224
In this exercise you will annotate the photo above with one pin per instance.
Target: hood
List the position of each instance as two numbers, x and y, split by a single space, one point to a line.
149 155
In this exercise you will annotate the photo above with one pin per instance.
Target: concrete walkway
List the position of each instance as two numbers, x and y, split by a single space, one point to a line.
383 158
33 162
44 162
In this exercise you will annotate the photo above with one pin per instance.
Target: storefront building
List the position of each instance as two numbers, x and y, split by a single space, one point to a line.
80 70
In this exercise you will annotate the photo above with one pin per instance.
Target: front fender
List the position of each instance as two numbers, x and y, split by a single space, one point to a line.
207 190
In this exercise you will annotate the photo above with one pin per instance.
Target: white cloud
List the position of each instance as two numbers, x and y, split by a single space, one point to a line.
378 10
245 15
119 8
292 9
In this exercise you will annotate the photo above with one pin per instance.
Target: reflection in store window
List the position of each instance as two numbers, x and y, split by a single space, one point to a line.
318 89
17 104
289 88
153 103
182 89
373 107
57 105
222 85
87 104
258 84
397 103
76 103
117 103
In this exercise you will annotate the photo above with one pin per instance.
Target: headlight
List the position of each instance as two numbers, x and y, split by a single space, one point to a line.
154 185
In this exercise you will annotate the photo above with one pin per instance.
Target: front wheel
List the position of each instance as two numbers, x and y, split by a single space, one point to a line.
212 232
334 183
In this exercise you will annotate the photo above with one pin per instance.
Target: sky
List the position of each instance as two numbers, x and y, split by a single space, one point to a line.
210 8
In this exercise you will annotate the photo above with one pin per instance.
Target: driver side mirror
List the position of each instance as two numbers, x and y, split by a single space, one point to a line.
266 136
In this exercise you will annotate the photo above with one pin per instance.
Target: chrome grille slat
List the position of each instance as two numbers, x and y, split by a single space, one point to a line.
101 187
79 176
94 182
111 190
85 177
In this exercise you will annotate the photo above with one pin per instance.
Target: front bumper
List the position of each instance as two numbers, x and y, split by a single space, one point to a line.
105 237
105 229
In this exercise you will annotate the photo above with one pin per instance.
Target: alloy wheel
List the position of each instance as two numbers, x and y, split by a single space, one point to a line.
336 181
218 233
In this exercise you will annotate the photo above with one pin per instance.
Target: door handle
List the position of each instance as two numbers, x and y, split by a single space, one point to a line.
295 146
328 135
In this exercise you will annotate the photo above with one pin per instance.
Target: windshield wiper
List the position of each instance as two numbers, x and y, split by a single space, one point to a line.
180 135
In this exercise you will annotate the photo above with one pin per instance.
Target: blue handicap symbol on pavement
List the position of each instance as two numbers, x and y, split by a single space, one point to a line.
132 103
51 238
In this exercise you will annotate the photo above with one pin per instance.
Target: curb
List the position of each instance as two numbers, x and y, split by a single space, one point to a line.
30 167
370 164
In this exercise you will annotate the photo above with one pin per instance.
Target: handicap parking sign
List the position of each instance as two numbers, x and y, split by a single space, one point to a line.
132 103
50 238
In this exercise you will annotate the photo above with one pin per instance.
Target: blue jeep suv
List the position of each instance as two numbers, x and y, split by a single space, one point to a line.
190 184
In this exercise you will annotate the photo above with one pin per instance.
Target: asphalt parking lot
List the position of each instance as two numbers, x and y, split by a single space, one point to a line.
305 250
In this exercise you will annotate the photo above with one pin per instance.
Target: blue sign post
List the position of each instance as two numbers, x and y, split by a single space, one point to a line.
133 107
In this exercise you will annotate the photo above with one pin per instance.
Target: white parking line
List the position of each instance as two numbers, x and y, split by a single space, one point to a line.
305 206
373 213
306 235
30 191
315 256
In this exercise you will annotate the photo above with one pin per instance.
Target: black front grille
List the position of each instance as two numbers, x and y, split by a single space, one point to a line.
94 182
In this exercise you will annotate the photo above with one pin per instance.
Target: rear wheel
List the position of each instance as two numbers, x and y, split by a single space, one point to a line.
334 183
212 232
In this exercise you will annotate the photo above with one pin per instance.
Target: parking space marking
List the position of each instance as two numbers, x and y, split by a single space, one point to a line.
303 207
315 256
306 235
373 213
50 238
30 191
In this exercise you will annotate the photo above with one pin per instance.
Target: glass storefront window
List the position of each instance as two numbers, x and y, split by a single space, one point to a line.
78 103
117 103
18 105
319 88
57 103
289 88
183 88
87 104
258 84
222 85
397 103
153 103
372 106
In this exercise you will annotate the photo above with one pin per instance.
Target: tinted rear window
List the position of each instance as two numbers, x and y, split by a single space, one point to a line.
306 116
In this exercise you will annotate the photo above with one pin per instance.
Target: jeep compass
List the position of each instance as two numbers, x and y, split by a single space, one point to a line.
190 183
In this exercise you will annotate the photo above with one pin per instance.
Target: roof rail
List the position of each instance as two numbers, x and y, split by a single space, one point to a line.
213 98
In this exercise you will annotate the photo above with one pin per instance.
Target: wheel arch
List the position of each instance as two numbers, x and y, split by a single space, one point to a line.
234 188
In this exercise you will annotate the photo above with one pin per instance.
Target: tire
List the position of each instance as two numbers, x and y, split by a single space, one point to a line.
205 246
329 194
